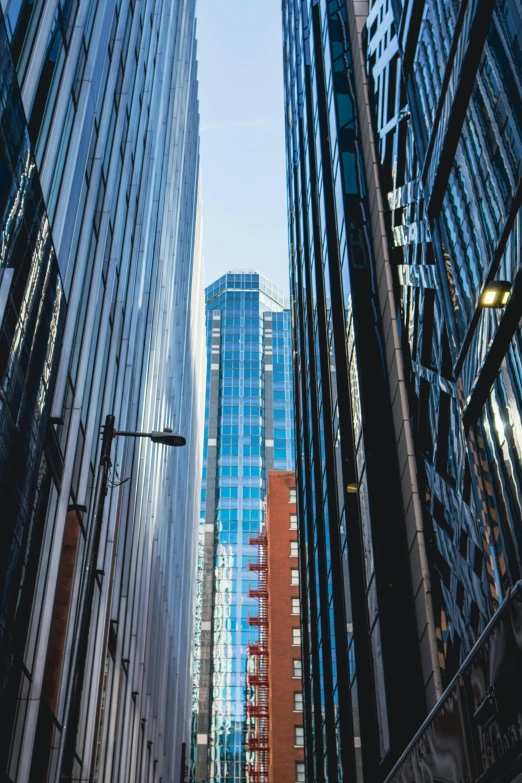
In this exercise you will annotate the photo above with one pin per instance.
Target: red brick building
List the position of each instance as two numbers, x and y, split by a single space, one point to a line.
284 632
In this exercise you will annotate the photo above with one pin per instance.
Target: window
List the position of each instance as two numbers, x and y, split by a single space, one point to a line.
112 36
292 496
228 492
98 211
300 772
61 157
118 86
252 492
293 549
298 667
90 156
293 521
107 251
227 470
80 70
299 735
107 149
296 636
294 576
50 77
295 606
298 701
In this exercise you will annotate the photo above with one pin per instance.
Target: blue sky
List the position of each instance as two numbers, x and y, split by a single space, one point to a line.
242 138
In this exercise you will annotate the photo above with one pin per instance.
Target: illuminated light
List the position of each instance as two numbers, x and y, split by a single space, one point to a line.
496 294
351 489
489 298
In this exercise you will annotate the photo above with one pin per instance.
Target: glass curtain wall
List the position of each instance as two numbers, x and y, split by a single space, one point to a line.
447 112
103 215
360 660
248 431
32 317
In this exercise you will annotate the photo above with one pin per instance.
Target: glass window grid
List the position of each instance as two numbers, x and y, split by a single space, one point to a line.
237 415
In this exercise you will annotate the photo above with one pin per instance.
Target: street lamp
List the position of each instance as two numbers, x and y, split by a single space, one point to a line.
496 294
167 437
71 711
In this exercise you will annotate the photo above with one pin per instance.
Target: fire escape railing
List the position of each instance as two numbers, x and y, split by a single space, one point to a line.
257 707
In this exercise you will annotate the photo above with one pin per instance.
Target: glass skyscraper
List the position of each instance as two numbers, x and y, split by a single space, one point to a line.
248 431
101 312
363 671
452 186
447 99
404 134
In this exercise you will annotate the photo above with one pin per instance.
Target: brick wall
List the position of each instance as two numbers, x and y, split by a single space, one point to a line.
283 717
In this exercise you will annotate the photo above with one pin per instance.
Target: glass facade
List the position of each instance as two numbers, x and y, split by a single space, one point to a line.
370 662
403 136
32 317
101 311
358 649
448 110
248 431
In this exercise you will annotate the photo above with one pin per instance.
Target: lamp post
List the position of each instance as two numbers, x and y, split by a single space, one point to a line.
71 713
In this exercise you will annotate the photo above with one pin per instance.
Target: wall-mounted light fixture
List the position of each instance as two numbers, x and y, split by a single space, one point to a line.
495 294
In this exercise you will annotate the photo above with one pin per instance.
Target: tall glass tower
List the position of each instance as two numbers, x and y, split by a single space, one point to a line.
101 312
454 182
404 140
248 431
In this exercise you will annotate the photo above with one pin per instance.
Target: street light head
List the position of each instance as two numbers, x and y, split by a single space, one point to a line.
496 294
167 438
